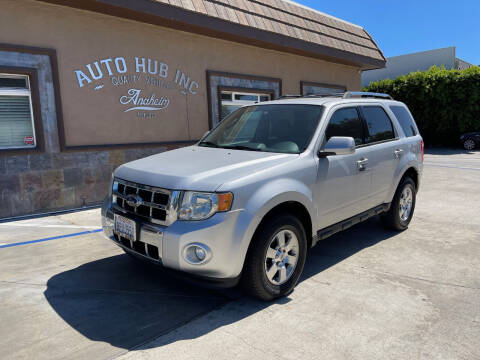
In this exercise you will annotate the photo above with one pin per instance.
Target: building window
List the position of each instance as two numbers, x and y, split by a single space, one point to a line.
232 100
312 88
17 129
249 89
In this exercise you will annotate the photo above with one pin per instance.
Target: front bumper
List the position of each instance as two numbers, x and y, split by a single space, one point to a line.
165 246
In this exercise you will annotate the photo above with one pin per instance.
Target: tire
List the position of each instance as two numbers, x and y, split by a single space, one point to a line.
469 144
393 218
260 259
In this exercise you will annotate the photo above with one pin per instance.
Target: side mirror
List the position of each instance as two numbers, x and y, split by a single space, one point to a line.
338 145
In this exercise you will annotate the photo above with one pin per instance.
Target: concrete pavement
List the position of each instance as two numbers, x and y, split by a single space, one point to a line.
366 293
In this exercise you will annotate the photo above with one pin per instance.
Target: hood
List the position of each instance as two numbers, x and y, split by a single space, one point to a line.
198 168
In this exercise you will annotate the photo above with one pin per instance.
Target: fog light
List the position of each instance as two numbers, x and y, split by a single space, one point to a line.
197 254
200 253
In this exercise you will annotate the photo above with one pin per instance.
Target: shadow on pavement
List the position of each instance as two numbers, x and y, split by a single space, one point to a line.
124 303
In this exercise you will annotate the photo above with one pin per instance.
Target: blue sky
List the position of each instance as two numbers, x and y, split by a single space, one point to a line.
405 26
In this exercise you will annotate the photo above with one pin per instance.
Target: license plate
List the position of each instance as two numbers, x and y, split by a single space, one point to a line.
125 227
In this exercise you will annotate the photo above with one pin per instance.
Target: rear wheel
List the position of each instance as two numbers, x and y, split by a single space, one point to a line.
401 210
469 144
276 258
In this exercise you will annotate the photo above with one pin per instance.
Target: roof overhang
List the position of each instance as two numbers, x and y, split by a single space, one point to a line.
161 14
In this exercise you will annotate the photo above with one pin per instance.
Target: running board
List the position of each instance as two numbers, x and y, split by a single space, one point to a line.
345 224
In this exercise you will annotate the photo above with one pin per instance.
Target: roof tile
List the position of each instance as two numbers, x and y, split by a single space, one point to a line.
199 6
187 4
288 19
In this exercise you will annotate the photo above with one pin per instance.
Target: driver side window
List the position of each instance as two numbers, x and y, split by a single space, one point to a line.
346 122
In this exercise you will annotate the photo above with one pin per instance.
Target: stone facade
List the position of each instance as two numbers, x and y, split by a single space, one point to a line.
38 183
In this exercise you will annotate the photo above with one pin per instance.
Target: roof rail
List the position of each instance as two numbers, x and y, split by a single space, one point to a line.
346 95
323 95
363 94
288 96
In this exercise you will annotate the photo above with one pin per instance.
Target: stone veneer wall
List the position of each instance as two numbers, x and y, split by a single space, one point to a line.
37 183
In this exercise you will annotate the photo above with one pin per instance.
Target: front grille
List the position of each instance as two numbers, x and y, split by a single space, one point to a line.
140 247
152 203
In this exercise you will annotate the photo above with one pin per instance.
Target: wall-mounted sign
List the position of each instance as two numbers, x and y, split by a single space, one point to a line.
28 140
149 84
136 102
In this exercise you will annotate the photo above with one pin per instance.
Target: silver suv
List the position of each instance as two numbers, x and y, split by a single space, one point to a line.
248 200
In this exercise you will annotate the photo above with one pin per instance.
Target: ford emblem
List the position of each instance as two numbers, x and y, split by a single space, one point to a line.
134 200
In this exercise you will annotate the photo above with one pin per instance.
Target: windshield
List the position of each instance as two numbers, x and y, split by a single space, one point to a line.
286 128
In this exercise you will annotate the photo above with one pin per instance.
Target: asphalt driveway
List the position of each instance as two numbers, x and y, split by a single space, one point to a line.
367 293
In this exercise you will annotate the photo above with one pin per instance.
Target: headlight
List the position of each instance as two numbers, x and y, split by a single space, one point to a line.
200 205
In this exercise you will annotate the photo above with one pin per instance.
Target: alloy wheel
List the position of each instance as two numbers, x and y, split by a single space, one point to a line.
281 257
406 203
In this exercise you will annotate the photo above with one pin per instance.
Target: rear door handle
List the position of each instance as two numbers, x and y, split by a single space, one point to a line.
398 153
362 164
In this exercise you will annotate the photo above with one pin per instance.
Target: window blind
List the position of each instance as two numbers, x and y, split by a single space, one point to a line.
15 121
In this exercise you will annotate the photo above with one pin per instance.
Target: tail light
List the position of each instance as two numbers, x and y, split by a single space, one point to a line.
422 147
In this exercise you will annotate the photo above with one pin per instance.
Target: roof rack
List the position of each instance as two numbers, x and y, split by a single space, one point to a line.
363 94
289 96
323 95
346 95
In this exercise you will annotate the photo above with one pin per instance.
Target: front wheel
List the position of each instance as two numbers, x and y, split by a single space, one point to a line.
402 207
276 258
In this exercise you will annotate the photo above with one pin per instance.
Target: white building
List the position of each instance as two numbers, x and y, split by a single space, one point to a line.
421 61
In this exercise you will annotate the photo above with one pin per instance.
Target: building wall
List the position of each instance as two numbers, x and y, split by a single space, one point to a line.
462 65
405 64
94 122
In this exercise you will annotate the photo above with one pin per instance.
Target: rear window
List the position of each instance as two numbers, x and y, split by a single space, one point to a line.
405 119
379 126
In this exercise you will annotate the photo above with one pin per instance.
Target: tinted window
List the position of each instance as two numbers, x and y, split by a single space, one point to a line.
379 126
345 122
405 119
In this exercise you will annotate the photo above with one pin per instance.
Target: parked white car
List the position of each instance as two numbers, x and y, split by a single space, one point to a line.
271 180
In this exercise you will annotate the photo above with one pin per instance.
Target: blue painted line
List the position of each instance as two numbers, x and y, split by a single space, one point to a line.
50 238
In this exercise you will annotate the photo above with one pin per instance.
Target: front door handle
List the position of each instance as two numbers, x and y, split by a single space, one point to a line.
398 153
362 164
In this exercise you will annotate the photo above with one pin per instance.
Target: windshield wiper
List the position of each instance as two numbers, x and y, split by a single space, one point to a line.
240 147
208 144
